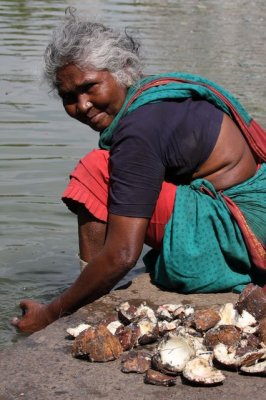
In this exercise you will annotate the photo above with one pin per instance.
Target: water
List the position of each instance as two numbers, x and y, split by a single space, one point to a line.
222 40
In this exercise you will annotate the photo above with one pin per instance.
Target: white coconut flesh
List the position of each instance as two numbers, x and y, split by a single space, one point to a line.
77 330
167 326
175 352
257 368
225 357
113 326
146 326
230 316
145 311
199 370
169 307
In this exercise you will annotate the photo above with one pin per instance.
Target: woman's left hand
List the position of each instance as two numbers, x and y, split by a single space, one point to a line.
35 316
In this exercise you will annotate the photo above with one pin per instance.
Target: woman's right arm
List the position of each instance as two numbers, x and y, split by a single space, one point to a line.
121 250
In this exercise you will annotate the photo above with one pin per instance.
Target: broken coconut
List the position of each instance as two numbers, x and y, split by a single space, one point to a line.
259 368
205 319
201 371
159 379
230 316
253 300
174 351
228 357
138 362
227 334
97 344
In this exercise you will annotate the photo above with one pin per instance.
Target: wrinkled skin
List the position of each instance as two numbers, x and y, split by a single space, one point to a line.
94 98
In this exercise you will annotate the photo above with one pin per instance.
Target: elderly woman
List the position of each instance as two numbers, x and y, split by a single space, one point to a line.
180 167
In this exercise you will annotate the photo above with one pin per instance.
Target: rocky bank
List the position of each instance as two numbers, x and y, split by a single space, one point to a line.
41 366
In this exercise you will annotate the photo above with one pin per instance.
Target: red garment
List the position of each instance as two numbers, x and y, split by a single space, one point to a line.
89 183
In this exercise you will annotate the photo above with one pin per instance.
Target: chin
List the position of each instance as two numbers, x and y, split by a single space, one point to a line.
95 129
99 128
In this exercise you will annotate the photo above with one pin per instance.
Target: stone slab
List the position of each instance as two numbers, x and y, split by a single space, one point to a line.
41 367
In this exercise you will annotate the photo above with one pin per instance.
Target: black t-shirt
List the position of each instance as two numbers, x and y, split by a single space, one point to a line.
166 140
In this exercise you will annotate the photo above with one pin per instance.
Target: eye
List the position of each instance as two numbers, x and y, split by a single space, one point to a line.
88 87
68 97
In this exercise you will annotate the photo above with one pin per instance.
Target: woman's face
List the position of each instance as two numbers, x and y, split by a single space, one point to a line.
92 97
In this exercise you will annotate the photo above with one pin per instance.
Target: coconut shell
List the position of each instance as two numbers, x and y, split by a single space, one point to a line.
253 300
262 330
97 344
204 320
226 334
138 362
127 313
128 336
159 379
200 371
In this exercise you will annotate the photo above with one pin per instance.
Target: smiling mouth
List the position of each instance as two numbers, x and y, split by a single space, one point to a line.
96 118
96 121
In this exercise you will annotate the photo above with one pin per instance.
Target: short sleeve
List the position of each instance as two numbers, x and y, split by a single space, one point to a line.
136 167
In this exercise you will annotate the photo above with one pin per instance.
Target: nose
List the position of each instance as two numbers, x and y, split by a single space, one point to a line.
83 104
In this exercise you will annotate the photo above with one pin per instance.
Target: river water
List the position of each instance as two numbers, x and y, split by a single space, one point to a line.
222 40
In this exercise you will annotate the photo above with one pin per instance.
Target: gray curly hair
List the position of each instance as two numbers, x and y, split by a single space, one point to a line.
92 45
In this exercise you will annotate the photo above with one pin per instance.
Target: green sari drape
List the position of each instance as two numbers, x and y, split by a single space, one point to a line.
203 247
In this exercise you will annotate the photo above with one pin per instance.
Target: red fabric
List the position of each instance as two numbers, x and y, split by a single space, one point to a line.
255 248
258 136
89 185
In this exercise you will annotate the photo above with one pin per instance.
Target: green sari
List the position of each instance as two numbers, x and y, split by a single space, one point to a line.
203 247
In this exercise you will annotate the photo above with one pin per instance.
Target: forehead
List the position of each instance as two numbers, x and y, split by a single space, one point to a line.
71 77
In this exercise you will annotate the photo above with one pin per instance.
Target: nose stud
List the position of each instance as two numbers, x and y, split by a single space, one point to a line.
83 106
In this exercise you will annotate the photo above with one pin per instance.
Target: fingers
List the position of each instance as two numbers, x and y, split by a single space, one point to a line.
24 305
15 322
21 324
33 317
